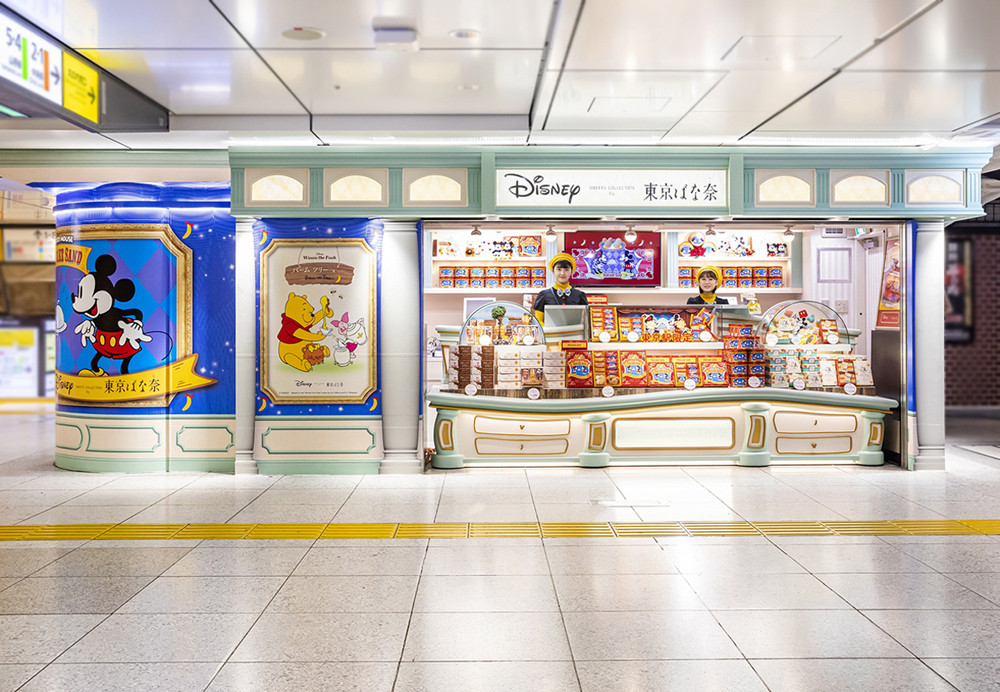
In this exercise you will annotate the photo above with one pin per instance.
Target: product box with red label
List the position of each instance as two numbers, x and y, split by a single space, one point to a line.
745 272
522 282
579 369
774 272
686 368
736 356
741 369
661 370
506 272
713 371
446 272
685 273
730 272
760 272
447 283
507 282
477 283
760 283
538 283
477 272
775 283
538 272
522 272
492 272
632 368
461 272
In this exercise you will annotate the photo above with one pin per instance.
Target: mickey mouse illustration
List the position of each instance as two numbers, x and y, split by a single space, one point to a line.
115 333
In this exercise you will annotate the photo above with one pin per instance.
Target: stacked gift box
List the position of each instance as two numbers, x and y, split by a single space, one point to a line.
470 364
491 277
742 353
737 277
816 370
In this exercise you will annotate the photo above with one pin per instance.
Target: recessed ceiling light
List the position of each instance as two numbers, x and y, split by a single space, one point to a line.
468 87
465 33
303 33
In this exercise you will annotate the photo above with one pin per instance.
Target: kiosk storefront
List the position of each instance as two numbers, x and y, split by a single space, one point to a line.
841 252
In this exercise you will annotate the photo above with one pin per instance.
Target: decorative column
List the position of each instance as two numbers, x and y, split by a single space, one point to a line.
926 309
402 322
595 455
874 435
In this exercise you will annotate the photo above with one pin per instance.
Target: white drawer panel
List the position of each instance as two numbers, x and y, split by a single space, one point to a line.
515 426
797 422
489 446
673 433
813 445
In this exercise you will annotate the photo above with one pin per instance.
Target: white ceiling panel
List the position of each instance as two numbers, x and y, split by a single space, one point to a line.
952 36
201 81
54 139
508 24
626 100
424 82
138 24
895 101
696 34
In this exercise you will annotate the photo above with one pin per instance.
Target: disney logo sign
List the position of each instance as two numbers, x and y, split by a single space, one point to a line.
522 186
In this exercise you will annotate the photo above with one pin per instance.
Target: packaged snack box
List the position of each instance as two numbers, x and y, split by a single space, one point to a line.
780 381
538 272
738 382
446 272
713 371
661 370
685 273
461 283
686 283
477 272
507 282
632 369
863 373
461 272
538 283
741 369
730 283
745 272
529 245
523 272
758 356
731 344
774 272
447 283
686 368
828 372
522 283
736 356
775 283
748 344
531 376
760 283
477 283
730 272
746 283
760 272
757 369
579 369
506 272
739 329
491 283
492 272
813 380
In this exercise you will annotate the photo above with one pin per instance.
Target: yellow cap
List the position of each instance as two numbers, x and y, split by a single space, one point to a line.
562 257
715 271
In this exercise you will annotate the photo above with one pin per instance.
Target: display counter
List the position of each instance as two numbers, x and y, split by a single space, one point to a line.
658 384
747 427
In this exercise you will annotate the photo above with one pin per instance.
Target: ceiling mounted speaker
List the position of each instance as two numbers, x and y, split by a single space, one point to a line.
303 33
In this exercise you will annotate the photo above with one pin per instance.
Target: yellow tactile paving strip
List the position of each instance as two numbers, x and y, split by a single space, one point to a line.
141 532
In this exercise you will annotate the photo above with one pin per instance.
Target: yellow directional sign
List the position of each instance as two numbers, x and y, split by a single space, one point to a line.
81 88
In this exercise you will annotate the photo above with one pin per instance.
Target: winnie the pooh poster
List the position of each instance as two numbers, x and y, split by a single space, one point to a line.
318 320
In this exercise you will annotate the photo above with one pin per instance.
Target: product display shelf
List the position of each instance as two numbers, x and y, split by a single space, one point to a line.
537 261
434 290
655 346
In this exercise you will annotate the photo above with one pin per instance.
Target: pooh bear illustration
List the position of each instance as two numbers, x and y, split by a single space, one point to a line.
296 341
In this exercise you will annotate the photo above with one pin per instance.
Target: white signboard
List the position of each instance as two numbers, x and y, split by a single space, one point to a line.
29 244
611 188
30 60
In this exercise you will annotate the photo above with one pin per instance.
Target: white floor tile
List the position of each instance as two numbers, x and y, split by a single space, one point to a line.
487 676
885 675
679 634
486 637
134 677
305 677
668 676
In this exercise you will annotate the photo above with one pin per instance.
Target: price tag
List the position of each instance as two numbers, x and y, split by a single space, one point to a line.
706 336
471 389
528 340
533 393
799 384
608 391
605 338
833 338
633 336
850 388
754 382
772 339
690 384
485 340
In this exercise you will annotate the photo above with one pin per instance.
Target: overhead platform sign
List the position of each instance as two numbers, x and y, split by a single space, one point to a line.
39 77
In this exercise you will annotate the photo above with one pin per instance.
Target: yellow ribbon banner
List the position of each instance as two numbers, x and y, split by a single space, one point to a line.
148 384
74 256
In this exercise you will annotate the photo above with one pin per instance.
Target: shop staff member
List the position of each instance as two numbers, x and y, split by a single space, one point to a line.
562 265
709 279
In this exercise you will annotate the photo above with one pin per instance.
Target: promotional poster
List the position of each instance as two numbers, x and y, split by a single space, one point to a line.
606 258
318 306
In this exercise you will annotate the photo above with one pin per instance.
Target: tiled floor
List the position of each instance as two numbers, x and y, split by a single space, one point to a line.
780 613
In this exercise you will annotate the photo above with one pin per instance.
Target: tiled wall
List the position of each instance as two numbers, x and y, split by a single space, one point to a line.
972 371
